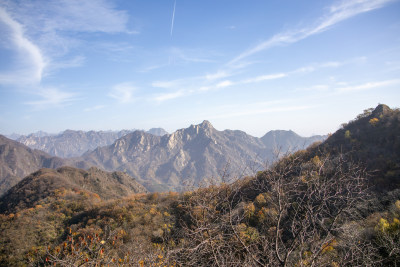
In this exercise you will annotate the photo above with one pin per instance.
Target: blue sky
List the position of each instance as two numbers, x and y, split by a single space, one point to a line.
254 65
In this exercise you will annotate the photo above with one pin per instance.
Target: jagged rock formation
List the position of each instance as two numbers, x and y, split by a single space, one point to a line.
188 156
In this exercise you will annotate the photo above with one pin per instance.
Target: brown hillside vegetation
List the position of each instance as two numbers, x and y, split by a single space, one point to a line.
18 161
46 182
311 208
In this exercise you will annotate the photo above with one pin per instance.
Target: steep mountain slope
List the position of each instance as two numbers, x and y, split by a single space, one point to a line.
184 157
374 139
48 182
18 160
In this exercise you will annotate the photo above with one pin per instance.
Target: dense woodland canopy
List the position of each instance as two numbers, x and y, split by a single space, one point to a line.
336 203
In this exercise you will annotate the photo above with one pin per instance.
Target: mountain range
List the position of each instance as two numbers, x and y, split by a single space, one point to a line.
338 199
72 143
188 156
161 163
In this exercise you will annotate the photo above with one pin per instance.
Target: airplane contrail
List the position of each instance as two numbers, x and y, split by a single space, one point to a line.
173 18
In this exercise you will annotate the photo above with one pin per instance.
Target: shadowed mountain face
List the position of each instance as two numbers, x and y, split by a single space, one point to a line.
48 182
373 138
188 156
17 161
74 143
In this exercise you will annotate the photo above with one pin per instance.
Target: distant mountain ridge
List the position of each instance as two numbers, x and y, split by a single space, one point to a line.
157 131
288 141
71 143
191 155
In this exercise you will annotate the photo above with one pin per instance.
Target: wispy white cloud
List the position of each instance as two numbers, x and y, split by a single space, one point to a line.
223 84
217 75
214 81
52 97
123 92
368 85
274 76
337 13
176 56
40 32
169 96
76 16
265 78
28 52
152 67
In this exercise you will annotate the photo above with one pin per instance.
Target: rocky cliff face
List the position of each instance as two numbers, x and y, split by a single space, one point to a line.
187 156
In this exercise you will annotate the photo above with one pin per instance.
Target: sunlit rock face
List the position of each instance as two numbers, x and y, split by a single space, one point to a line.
189 156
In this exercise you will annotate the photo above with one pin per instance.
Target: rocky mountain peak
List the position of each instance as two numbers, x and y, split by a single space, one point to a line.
381 109
203 128
157 131
206 125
